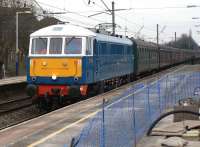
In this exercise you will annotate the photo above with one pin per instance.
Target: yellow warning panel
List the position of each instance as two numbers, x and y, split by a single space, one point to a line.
59 67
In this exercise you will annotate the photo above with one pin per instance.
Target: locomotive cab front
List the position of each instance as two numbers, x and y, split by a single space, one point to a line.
59 61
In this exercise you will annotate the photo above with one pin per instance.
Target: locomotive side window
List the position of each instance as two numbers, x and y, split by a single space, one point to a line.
116 49
95 47
89 46
39 46
120 49
73 45
103 48
55 46
125 49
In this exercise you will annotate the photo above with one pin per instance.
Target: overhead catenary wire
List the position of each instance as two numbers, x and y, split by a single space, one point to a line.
108 9
133 23
105 5
183 7
77 22
146 28
125 19
76 13
130 31
159 8
66 18
35 1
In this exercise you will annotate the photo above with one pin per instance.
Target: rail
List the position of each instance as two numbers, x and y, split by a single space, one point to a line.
14 105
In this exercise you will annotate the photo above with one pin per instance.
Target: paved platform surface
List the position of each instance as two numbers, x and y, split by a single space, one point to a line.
165 126
57 128
12 80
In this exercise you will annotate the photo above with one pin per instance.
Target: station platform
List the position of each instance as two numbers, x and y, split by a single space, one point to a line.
59 127
170 132
12 80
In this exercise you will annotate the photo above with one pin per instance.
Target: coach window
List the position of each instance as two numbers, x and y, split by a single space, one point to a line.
73 45
39 46
55 46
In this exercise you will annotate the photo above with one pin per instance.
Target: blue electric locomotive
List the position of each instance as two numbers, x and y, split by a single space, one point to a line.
69 60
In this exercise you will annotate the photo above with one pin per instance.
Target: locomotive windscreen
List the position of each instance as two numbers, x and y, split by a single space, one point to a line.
39 46
73 45
55 46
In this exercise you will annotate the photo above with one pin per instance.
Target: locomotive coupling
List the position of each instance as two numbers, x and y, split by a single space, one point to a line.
55 91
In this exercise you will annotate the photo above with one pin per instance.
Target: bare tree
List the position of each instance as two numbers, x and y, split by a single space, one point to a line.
28 23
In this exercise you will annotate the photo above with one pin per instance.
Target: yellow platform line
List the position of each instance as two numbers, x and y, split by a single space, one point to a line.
61 130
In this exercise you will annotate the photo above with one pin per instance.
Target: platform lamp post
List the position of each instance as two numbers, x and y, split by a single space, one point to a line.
17 40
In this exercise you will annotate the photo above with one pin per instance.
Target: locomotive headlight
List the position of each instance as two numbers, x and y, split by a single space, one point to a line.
54 77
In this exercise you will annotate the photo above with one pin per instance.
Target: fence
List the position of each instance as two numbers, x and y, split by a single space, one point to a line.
8 64
123 122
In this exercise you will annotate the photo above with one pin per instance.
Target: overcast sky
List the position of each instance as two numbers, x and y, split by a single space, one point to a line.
173 17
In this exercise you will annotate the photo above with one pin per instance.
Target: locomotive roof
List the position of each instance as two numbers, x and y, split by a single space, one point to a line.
63 30
71 30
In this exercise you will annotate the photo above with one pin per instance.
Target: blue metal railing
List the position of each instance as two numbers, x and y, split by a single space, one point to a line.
124 121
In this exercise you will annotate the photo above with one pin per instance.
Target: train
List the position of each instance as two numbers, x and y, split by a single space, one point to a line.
71 61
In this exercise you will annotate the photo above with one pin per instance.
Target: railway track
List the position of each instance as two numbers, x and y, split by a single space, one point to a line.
14 105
